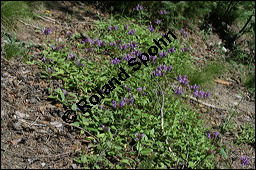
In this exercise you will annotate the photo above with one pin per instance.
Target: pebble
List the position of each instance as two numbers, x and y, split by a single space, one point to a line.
5 75
238 96
33 100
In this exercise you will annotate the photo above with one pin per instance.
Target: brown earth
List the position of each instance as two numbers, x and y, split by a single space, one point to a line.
34 135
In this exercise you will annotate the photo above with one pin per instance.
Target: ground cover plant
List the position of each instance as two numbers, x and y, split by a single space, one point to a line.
143 123
148 120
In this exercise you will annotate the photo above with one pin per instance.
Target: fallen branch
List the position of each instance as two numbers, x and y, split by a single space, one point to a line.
29 24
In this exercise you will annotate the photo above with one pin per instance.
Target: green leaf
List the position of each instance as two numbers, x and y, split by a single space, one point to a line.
191 164
83 159
125 161
74 107
223 153
146 151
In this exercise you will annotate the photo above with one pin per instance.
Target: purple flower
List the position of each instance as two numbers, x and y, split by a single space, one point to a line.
105 128
209 136
205 95
194 87
49 70
161 12
216 134
131 32
171 50
183 80
122 103
86 49
46 31
196 94
169 68
133 44
131 100
162 54
43 58
115 28
153 58
72 56
124 99
139 89
116 61
158 21
157 73
144 93
183 32
138 8
178 91
244 160
114 104
66 93
126 26
139 136
185 49
151 28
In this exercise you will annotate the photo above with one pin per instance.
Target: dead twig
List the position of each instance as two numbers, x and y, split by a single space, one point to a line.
29 24
97 139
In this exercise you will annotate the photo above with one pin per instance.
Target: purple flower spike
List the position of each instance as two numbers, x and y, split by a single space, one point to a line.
216 134
131 32
244 160
138 8
178 91
151 28
183 80
122 104
114 104
131 100
158 21
209 136
46 31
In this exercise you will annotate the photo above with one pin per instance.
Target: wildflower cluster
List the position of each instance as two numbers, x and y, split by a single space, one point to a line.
183 80
185 49
72 56
116 61
215 135
46 31
244 160
105 128
139 136
183 32
131 32
151 29
113 28
162 12
123 102
141 90
194 88
50 71
65 92
161 70
138 8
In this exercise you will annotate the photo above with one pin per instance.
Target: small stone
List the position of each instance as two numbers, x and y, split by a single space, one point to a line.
5 75
235 103
238 96
33 100
43 164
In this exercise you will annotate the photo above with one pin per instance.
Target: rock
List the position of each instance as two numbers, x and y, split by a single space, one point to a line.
239 96
33 100
224 49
